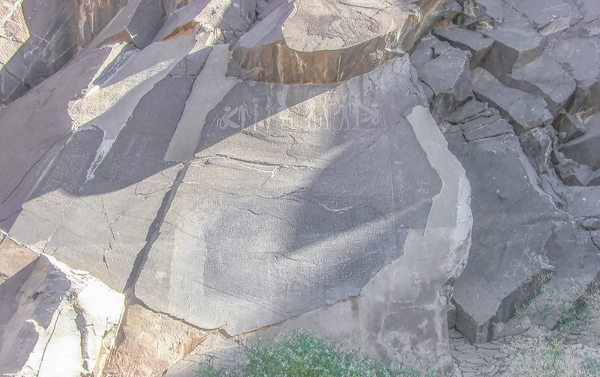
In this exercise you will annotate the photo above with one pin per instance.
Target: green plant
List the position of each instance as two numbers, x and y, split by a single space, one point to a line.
302 354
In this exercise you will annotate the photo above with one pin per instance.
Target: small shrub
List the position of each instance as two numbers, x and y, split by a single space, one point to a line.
301 354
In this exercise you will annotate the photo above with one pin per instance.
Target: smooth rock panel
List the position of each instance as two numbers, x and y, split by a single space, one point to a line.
284 188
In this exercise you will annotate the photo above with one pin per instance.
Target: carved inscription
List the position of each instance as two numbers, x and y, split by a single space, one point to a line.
63 180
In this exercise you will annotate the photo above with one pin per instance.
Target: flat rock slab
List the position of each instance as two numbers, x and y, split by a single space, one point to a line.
291 205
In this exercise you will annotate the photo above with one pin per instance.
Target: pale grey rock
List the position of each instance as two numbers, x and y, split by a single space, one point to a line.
283 174
573 52
544 77
523 110
511 214
516 44
585 148
469 40
287 183
66 323
591 223
449 78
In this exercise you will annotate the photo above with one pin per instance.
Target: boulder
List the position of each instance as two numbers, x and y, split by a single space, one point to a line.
65 322
448 77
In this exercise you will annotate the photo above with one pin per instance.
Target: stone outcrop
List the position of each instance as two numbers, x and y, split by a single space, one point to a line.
241 168
529 216
228 201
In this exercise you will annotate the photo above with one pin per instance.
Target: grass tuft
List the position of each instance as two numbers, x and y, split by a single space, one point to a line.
302 354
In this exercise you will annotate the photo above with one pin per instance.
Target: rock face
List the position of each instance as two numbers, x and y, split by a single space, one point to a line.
39 37
213 185
242 168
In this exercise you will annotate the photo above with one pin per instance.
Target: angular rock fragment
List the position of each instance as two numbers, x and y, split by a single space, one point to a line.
495 127
65 321
523 110
511 214
574 174
585 149
325 42
469 40
569 127
516 44
544 77
449 78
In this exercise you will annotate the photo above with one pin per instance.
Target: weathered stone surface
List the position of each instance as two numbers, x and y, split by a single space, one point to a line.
469 40
585 148
349 39
523 110
40 37
511 214
383 318
149 343
516 44
449 78
64 323
289 166
545 78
